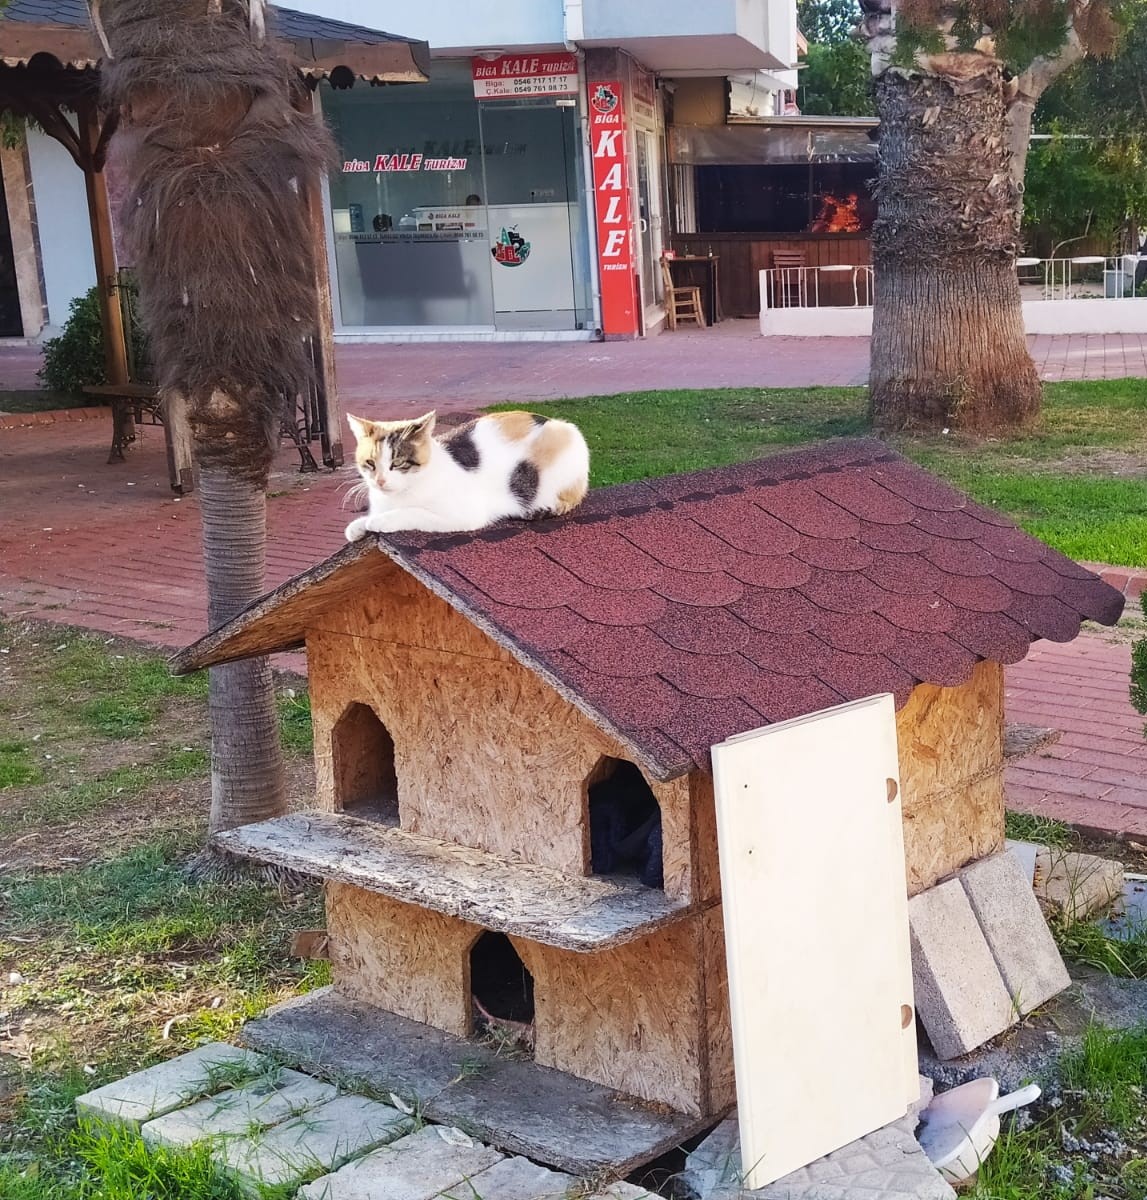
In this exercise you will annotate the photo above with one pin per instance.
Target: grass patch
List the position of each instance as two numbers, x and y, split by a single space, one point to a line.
1109 1070
1086 942
1027 827
1077 480
295 729
17 767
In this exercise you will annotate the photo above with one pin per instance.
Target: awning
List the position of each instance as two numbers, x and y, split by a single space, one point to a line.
57 34
770 145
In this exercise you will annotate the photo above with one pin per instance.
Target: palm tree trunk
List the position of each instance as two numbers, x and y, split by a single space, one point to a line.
247 778
948 343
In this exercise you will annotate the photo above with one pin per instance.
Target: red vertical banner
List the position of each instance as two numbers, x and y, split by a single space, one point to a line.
612 201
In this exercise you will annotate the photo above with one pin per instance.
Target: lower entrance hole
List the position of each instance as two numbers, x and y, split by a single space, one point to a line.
624 824
501 993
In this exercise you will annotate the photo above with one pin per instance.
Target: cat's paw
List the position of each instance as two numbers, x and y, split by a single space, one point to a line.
357 529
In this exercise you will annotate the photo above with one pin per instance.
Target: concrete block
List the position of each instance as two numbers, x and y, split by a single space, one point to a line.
312 1144
887 1163
1010 918
418 1166
168 1085
961 999
624 1191
263 1102
1026 854
1076 885
513 1179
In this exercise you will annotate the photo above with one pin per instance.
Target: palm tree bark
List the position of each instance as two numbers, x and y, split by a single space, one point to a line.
948 343
247 777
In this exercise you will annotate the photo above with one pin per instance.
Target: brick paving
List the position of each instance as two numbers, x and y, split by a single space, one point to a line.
110 548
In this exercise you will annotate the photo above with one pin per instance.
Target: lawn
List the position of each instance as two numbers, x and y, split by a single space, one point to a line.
111 957
1079 480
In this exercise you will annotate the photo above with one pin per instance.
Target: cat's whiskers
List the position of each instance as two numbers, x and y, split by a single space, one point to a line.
355 492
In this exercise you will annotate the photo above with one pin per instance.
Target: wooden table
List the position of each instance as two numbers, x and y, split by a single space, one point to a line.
699 270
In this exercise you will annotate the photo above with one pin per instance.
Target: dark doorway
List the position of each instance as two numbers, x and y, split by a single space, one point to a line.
624 823
11 323
500 985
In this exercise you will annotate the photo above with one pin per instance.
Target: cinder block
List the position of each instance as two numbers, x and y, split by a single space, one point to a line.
316 1142
513 1179
418 1166
1077 885
887 1163
168 1085
263 1102
961 999
1010 918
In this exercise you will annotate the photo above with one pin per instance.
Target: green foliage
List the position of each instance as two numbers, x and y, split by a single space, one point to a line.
17 769
1046 831
75 359
837 81
295 729
827 22
1088 943
1111 1067
1074 187
1139 666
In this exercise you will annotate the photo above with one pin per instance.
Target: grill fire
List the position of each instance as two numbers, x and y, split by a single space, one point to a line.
838 214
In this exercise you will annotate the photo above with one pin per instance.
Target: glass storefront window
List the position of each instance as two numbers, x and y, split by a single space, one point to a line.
448 211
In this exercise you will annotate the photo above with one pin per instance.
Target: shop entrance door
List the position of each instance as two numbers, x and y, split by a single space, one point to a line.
538 242
649 219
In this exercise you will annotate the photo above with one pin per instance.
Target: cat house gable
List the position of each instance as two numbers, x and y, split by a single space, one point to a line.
514 808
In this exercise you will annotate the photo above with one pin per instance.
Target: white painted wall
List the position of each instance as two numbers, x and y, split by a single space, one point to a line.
1040 317
62 218
453 24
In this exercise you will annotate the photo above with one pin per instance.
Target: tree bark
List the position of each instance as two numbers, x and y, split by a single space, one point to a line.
948 343
247 778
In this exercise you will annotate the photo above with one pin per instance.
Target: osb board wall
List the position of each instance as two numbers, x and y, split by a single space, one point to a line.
401 958
486 754
649 1018
631 1018
951 775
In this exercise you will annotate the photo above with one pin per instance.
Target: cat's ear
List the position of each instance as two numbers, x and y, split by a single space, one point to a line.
424 426
359 427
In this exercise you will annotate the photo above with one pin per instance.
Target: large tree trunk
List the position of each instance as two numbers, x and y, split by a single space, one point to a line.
948 344
247 777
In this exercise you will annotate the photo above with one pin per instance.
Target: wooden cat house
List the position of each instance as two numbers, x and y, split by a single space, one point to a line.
513 729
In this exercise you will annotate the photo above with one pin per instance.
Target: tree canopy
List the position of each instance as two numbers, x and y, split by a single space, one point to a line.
827 22
836 81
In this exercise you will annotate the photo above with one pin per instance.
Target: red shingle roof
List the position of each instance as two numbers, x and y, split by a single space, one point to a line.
684 610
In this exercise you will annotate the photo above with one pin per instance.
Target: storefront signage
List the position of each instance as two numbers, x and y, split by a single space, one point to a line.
612 202
511 249
402 162
644 95
512 75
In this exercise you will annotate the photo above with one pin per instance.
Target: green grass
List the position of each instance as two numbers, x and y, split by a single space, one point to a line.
295 728
1085 942
1056 481
17 768
1046 831
1111 1068
30 400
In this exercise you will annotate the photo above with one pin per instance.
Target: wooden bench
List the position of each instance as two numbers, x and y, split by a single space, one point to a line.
129 402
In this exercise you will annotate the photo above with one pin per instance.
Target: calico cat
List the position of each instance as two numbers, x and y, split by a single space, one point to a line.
511 464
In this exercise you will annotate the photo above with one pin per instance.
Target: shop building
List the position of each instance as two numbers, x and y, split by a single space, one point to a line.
523 191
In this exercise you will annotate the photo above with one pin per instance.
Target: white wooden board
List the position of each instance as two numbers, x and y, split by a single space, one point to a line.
816 932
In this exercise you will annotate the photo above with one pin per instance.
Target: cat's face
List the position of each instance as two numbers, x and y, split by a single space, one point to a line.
390 454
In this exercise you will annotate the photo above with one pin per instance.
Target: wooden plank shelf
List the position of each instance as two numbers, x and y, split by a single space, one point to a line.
538 903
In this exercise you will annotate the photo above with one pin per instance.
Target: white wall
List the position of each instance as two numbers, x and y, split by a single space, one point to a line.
453 24
62 218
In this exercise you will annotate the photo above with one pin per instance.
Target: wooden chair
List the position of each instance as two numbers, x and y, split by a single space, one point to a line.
681 303
789 283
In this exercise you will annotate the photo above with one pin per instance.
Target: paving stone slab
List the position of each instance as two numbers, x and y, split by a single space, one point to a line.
418 1166
150 1093
513 1179
1026 853
1077 885
314 1143
885 1165
961 999
265 1101
1013 924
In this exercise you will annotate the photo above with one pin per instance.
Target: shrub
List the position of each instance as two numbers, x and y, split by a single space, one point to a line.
76 358
1139 666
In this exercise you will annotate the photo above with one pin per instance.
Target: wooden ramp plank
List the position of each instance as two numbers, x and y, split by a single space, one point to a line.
517 1106
568 911
816 930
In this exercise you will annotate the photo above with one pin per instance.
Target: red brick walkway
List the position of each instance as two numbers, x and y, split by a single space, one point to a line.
110 548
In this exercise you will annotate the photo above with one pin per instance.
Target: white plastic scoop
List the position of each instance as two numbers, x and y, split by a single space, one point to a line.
960 1126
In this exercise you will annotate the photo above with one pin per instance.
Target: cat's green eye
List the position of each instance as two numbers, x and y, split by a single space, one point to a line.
405 465
368 465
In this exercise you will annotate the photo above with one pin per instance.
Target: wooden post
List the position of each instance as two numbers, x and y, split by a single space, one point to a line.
103 248
326 381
